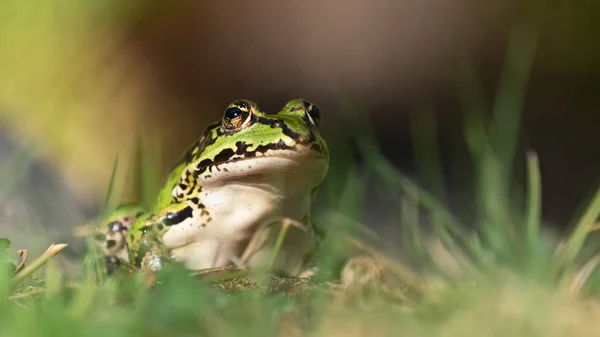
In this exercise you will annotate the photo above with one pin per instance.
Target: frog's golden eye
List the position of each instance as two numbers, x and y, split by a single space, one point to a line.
237 115
313 112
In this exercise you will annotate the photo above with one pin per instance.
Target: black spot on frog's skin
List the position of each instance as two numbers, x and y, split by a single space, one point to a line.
317 148
160 227
280 145
201 206
202 166
297 107
177 217
284 128
207 176
224 155
191 189
195 200
182 186
110 243
241 147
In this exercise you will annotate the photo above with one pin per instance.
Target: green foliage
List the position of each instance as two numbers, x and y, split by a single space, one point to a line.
5 263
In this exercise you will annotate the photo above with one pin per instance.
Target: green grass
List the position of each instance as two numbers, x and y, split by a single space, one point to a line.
508 278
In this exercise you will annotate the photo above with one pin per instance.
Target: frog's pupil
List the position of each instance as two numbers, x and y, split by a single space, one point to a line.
233 113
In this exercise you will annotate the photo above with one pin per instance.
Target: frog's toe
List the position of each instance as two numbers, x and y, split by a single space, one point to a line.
112 264
153 262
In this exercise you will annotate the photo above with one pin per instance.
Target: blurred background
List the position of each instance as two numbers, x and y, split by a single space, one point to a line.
80 81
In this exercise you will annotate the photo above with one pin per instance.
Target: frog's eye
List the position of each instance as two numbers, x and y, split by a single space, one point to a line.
313 112
236 115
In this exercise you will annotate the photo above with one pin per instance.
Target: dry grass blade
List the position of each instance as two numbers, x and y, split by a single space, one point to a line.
27 294
403 272
52 251
595 227
23 256
583 274
262 234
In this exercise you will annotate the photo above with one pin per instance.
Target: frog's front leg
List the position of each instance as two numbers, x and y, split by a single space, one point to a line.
145 245
177 232
154 257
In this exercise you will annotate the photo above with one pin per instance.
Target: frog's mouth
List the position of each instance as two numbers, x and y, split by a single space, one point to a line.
309 164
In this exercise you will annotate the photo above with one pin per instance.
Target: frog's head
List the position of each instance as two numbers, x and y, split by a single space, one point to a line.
248 142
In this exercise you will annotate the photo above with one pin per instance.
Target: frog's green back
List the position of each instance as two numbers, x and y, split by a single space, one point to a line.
165 196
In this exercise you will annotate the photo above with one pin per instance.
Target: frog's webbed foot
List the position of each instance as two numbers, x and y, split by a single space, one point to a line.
153 262
152 254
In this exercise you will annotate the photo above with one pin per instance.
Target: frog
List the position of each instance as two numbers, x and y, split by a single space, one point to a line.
246 171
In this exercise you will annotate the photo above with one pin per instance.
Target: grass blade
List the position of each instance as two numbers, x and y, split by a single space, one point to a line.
148 171
427 152
508 103
566 258
534 201
38 263
108 205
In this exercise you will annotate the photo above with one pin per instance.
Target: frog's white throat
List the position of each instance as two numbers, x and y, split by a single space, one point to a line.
247 192
241 201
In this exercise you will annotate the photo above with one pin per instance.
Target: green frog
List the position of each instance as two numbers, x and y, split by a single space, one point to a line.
247 171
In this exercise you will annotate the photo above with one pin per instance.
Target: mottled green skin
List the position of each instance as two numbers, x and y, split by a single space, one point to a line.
294 128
